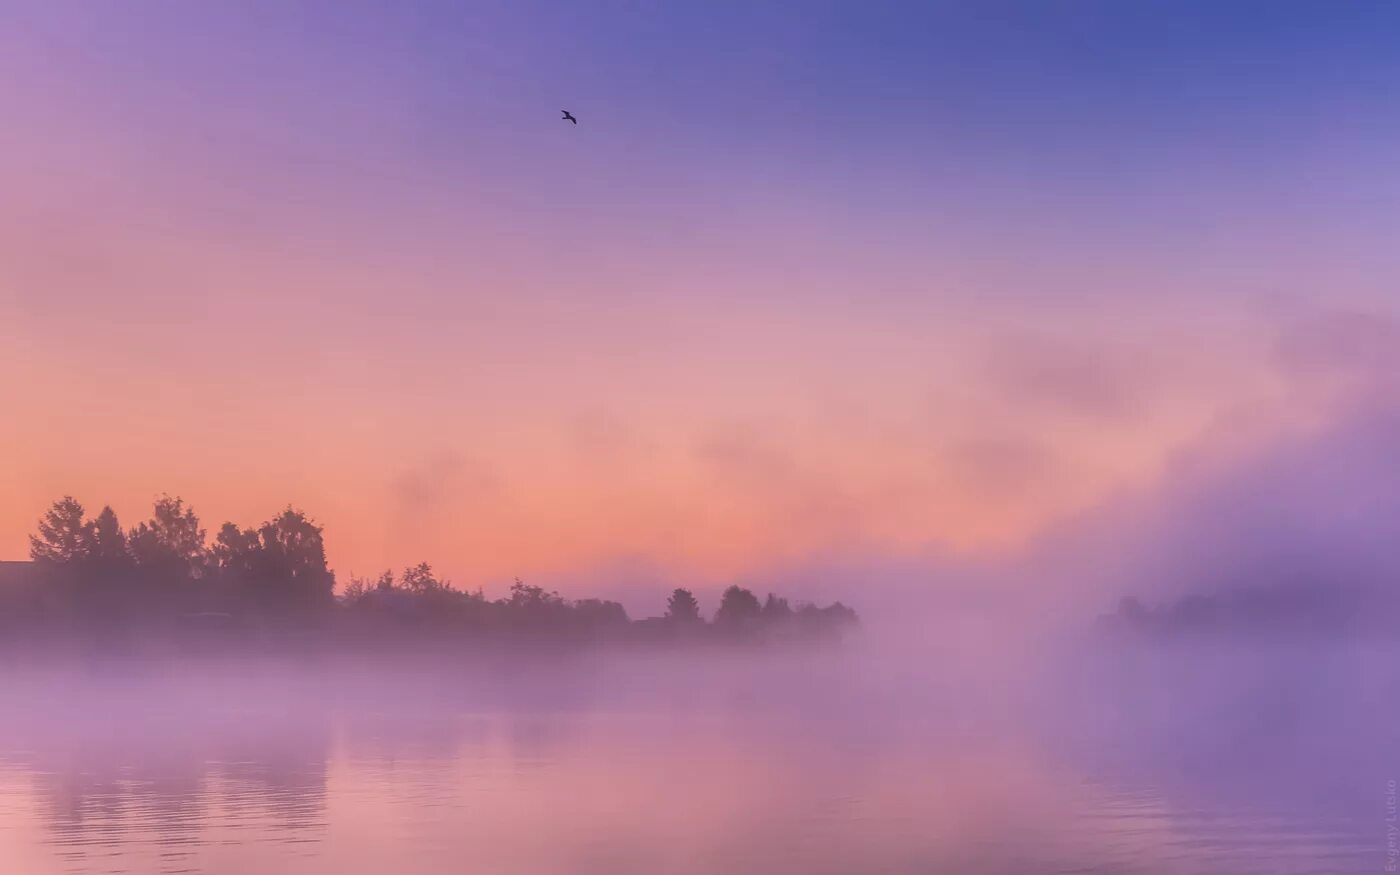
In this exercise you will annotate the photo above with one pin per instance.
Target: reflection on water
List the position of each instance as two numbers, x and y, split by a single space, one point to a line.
233 778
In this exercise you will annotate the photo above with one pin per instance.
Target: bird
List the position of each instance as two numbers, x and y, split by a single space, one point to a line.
568 116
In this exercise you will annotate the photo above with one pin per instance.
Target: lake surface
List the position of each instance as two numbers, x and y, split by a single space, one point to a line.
262 772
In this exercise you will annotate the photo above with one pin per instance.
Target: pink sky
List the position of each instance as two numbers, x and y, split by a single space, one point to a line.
250 265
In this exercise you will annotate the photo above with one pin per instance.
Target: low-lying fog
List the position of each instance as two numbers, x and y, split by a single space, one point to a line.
1237 715
1092 757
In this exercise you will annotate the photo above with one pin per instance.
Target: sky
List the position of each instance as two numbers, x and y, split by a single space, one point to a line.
806 280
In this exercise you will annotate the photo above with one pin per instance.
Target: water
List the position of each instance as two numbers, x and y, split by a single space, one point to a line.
310 773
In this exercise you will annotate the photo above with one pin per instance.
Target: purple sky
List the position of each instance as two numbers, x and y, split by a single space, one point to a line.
879 279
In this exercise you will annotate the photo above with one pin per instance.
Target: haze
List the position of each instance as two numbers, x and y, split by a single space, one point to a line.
882 279
1042 363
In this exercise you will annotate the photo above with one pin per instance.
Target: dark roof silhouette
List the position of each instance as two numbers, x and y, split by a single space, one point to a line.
15 572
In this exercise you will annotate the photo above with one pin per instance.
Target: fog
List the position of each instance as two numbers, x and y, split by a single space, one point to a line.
1003 714
1107 757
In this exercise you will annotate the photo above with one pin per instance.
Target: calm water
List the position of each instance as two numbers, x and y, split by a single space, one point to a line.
712 774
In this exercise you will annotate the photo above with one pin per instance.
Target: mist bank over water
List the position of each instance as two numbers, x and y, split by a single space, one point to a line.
1246 714
1255 532
304 777
1276 533
890 752
1302 521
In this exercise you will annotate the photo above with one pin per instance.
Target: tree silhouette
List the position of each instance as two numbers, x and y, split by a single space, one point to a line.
775 609
235 552
361 591
109 548
160 577
281 564
171 544
737 607
526 597
64 536
532 607
825 623
682 607
420 580
598 615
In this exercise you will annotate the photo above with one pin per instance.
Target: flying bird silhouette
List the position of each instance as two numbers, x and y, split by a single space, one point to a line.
568 116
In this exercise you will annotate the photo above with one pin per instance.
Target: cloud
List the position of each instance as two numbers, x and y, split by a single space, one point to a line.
600 437
803 497
1315 502
1340 345
1077 378
430 499
999 466
439 478
1322 507
1311 501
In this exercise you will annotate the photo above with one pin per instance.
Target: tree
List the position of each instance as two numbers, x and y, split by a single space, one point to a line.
64 536
829 622
524 596
737 607
355 591
109 548
87 562
362 589
280 564
682 607
97 576
775 609
292 562
235 551
593 614
533 607
171 543
420 580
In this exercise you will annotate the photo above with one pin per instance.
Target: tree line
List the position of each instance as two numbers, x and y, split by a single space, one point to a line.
165 572
1294 608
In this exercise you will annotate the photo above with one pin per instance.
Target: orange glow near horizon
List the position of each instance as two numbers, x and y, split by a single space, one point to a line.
474 339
